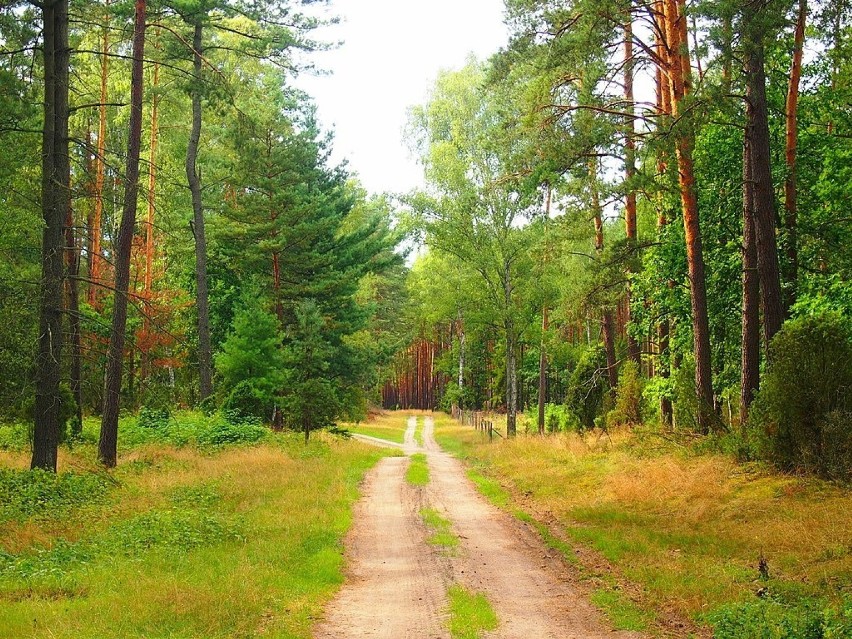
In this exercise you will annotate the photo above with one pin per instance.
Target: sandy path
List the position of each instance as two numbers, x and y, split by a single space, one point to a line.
396 582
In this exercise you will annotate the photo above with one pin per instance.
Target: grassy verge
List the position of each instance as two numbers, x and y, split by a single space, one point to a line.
441 528
689 528
471 613
389 426
178 542
418 470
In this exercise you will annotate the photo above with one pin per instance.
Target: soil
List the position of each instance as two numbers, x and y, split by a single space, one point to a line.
397 582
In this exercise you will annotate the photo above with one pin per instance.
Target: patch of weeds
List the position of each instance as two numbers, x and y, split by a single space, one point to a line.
622 613
226 431
418 470
771 618
609 542
37 493
198 496
549 539
490 488
471 614
441 529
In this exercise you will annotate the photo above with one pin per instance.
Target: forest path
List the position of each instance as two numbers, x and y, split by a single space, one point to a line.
397 582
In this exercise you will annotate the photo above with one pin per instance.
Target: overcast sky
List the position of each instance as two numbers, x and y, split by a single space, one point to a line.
391 54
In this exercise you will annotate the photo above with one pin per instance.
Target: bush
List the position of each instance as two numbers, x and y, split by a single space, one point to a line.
247 401
588 386
628 397
152 417
771 619
685 404
67 412
232 430
35 493
804 406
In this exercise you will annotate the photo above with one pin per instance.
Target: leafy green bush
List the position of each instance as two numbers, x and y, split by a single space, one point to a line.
588 386
67 412
152 417
33 493
771 619
628 397
247 401
804 406
685 404
233 429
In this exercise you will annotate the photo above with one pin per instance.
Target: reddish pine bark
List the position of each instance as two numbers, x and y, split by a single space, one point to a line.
679 77
630 172
96 257
791 147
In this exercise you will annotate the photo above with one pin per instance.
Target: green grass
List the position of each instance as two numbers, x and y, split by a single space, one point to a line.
441 529
621 612
471 614
418 470
230 541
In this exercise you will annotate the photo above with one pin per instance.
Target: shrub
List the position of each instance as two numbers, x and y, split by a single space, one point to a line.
628 397
247 401
685 404
588 386
232 430
804 406
67 412
153 417
33 493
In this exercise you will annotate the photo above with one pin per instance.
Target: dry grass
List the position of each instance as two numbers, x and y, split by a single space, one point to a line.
688 527
385 425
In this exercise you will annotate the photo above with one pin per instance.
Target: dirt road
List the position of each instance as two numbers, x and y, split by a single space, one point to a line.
396 582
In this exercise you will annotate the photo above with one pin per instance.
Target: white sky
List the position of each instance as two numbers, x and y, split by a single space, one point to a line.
391 54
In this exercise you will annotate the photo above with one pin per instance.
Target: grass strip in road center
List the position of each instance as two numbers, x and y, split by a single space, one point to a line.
418 471
471 613
441 529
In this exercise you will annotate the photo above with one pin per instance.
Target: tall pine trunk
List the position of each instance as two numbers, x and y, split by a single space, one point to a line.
633 350
679 75
750 376
107 446
72 291
757 132
607 321
96 255
205 353
149 219
511 356
55 193
791 147
542 372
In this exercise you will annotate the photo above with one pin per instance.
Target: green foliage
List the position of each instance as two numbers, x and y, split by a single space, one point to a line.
38 493
804 406
771 619
247 401
152 417
685 399
252 354
234 429
588 386
311 399
628 397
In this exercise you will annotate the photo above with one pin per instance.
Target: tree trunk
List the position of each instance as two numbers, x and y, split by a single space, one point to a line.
607 323
205 354
107 446
757 130
96 257
680 83
55 193
630 174
511 356
750 345
72 290
149 221
542 372
791 143
462 344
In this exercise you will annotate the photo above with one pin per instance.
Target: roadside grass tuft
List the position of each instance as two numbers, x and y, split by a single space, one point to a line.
441 528
622 613
471 614
418 470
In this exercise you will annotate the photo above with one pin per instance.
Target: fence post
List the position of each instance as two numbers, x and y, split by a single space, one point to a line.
491 432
